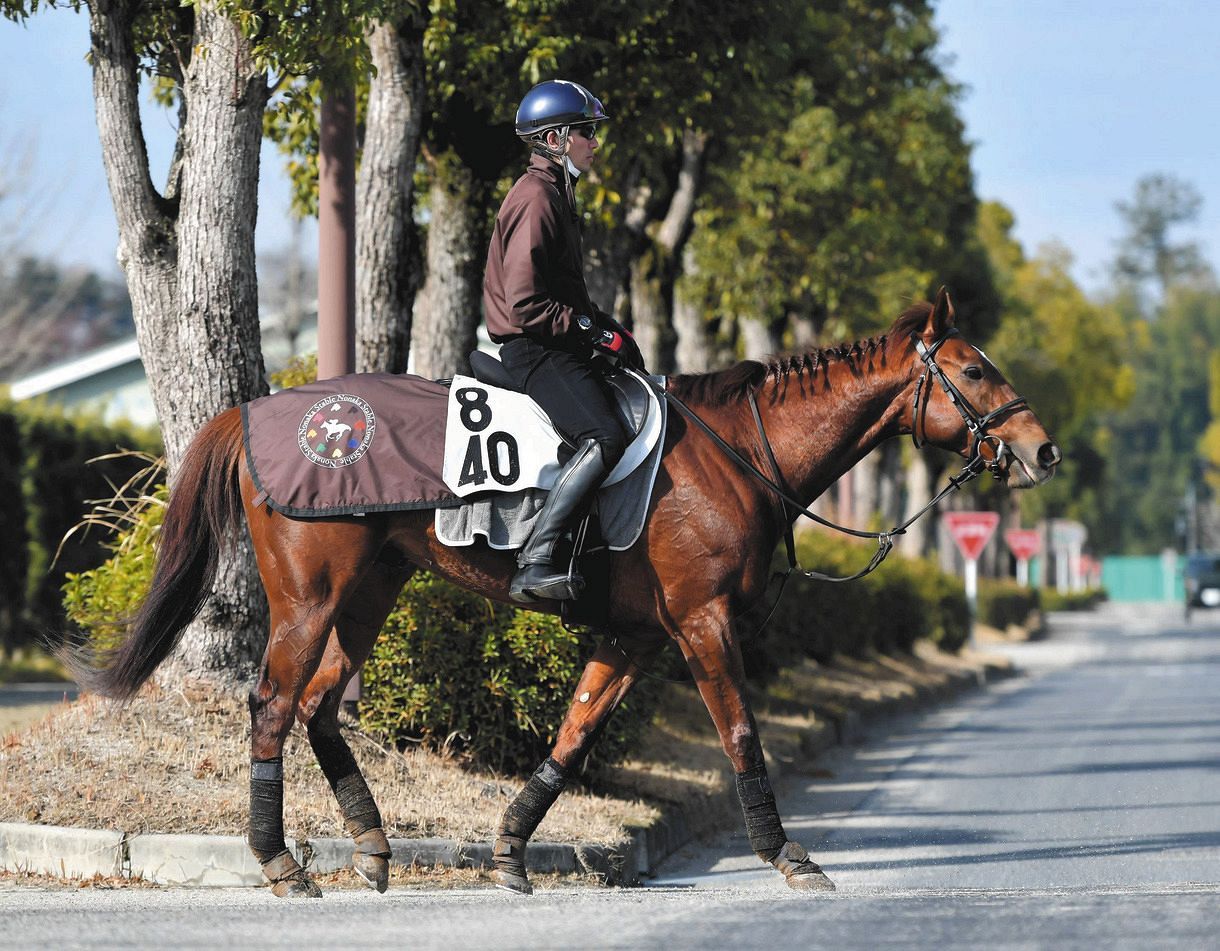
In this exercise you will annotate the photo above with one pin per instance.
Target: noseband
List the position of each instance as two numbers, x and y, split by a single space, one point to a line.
975 421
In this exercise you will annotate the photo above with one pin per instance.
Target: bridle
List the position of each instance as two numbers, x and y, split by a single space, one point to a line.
975 421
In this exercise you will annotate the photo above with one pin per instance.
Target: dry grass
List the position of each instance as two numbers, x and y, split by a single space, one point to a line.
177 760
173 762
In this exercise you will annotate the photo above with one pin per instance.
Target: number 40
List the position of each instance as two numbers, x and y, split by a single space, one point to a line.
503 459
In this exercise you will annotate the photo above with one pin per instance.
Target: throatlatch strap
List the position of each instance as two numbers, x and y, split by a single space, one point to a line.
763 824
267 808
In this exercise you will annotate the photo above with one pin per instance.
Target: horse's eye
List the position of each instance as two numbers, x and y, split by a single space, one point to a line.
973 373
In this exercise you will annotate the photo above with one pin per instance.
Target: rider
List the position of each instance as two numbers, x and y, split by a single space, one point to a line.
538 309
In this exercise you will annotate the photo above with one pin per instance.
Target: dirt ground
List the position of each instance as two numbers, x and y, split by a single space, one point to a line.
177 760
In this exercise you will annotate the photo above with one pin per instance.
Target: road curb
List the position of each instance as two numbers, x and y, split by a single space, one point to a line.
225 860
220 861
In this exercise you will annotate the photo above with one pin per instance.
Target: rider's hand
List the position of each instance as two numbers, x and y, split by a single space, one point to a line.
619 341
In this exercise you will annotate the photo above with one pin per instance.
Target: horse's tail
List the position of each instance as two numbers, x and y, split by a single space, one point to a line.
203 509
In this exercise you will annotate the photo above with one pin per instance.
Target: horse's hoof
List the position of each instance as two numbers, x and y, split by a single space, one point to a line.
511 882
297 886
374 869
800 871
811 882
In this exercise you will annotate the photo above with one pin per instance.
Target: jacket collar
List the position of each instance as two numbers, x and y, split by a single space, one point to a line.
542 165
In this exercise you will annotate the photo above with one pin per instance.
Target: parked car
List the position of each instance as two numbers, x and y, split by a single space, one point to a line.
1202 576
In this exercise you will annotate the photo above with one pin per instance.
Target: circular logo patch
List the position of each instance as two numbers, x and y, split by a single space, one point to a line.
337 431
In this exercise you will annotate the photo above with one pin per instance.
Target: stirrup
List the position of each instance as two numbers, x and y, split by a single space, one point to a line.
545 583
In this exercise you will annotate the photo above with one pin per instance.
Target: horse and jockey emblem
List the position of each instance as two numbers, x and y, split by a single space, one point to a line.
337 431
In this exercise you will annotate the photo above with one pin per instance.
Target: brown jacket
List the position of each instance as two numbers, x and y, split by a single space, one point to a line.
534 282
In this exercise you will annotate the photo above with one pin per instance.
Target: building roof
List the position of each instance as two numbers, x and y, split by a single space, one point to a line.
78 368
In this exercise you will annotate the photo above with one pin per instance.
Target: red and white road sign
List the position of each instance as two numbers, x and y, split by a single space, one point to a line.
1023 542
971 530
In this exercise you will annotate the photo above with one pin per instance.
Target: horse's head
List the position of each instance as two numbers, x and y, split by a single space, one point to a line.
962 403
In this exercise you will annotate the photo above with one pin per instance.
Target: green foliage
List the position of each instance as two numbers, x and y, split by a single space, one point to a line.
300 370
30 665
1004 602
100 600
15 552
58 465
1147 253
1156 440
887 611
1053 600
323 40
456 671
1068 355
854 191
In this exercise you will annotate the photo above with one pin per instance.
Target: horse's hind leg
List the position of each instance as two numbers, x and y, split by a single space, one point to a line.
347 649
609 674
308 571
714 658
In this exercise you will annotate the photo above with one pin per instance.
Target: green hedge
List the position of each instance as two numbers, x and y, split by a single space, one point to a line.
15 552
1052 600
100 599
455 670
1004 602
887 611
45 491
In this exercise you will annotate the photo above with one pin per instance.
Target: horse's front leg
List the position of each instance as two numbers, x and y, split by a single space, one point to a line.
710 645
608 676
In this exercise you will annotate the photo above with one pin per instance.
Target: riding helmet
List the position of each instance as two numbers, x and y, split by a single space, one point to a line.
554 104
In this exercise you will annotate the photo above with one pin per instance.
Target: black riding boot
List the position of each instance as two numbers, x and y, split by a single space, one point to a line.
538 577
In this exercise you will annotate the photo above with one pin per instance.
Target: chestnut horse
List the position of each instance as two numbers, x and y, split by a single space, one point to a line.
702 560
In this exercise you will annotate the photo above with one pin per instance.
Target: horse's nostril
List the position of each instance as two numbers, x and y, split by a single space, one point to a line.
1049 455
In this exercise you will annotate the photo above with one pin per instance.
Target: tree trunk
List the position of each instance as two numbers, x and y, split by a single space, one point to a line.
190 272
889 486
656 266
694 352
760 338
449 306
920 537
866 497
387 243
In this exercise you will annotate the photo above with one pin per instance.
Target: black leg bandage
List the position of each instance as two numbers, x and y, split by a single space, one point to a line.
267 808
522 816
524 813
762 817
360 813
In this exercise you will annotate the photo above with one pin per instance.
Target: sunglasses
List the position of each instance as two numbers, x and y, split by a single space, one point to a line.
586 131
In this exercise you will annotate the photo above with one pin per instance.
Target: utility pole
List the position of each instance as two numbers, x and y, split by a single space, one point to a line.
337 233
337 247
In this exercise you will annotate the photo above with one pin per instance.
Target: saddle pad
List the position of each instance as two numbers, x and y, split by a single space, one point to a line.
501 441
367 442
505 519
497 440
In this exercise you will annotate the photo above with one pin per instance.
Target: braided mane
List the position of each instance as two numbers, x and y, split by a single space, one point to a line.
749 376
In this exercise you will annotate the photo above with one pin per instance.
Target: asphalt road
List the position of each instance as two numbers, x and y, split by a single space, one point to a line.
1075 807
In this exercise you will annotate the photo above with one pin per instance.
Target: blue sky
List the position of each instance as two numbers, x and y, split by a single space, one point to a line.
1069 102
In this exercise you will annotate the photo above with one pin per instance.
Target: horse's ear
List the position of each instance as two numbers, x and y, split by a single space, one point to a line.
942 316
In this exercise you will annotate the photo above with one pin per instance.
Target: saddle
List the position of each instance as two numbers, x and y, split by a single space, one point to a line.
632 396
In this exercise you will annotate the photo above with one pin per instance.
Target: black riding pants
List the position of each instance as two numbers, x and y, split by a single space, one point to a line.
570 391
